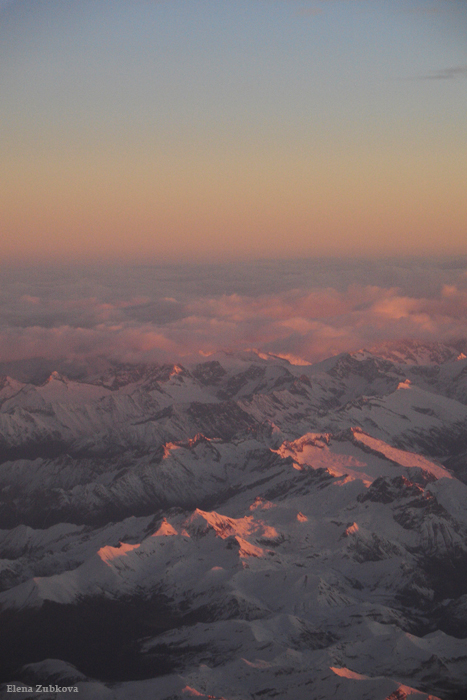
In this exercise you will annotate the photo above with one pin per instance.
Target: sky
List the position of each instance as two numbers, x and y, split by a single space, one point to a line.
213 131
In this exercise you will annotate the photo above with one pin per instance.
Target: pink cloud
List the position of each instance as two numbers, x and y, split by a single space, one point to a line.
303 324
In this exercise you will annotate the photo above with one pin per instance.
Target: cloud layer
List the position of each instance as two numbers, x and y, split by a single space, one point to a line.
446 73
305 311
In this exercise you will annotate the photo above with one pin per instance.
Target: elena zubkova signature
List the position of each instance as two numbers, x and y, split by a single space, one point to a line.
11 688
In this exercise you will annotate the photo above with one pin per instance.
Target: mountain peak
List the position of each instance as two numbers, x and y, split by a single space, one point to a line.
413 352
56 377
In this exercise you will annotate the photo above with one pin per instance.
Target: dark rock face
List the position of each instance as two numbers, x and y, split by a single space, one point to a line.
224 420
209 373
384 490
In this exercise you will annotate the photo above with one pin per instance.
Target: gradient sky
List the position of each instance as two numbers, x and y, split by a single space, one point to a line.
137 130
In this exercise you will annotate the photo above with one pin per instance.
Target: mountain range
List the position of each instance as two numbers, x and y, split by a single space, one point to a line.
240 528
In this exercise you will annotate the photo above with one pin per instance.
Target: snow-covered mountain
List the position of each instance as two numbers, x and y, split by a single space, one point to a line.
242 528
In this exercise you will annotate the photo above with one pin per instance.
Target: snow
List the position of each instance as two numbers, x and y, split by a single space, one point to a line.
109 554
285 518
165 530
347 673
404 459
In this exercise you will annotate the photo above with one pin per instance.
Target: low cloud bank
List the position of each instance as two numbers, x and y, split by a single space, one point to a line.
305 311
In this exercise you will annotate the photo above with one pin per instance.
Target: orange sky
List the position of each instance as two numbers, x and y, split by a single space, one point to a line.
276 137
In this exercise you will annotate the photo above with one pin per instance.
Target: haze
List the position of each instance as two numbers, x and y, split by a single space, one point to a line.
72 319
